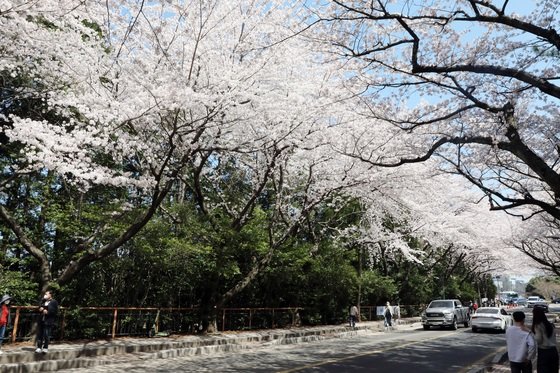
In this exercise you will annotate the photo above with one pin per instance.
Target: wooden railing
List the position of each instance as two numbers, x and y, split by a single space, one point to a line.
113 322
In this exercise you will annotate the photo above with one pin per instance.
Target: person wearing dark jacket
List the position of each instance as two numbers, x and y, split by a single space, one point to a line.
48 311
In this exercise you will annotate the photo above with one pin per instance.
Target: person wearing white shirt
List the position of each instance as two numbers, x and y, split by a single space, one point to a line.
354 314
388 316
545 336
521 345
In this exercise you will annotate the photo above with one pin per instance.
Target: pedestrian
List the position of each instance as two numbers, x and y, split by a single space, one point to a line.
354 314
4 317
521 345
388 316
396 315
48 311
545 336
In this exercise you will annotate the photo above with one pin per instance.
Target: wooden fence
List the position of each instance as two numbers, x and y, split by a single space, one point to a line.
113 322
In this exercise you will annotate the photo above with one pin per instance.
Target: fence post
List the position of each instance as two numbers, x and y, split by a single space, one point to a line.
223 319
273 318
114 328
16 322
156 323
250 318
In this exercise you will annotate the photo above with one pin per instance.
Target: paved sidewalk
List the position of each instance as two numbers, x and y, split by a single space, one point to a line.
21 358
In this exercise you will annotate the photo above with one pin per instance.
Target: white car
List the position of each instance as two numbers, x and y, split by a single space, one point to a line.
491 318
533 301
554 306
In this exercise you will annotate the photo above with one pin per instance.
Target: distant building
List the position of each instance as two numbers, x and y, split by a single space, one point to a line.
505 283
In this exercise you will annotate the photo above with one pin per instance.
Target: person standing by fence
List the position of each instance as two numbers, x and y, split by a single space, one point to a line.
4 317
48 311
354 314
396 315
388 316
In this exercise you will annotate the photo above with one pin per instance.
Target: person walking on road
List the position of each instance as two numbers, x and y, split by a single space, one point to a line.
388 316
354 314
545 336
521 345
48 311
4 317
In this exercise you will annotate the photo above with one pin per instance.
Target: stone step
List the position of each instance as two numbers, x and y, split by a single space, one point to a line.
52 365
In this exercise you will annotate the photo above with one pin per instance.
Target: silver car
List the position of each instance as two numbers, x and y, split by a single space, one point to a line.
521 302
490 318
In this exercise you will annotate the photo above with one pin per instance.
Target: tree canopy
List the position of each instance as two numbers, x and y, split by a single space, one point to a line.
226 148
472 84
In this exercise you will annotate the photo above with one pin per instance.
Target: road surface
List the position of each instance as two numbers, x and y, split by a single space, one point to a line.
411 350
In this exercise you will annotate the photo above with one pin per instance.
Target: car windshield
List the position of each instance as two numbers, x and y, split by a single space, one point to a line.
533 298
441 304
487 311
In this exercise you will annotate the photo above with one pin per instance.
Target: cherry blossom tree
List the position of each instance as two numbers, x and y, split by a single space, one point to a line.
137 95
539 240
421 209
128 106
472 84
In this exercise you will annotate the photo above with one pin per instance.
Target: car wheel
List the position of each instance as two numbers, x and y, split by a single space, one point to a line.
454 325
426 327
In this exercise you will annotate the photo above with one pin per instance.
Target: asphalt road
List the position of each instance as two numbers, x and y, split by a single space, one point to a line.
418 352
414 351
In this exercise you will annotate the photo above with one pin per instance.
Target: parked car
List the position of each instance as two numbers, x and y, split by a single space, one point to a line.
445 312
491 318
554 306
521 302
